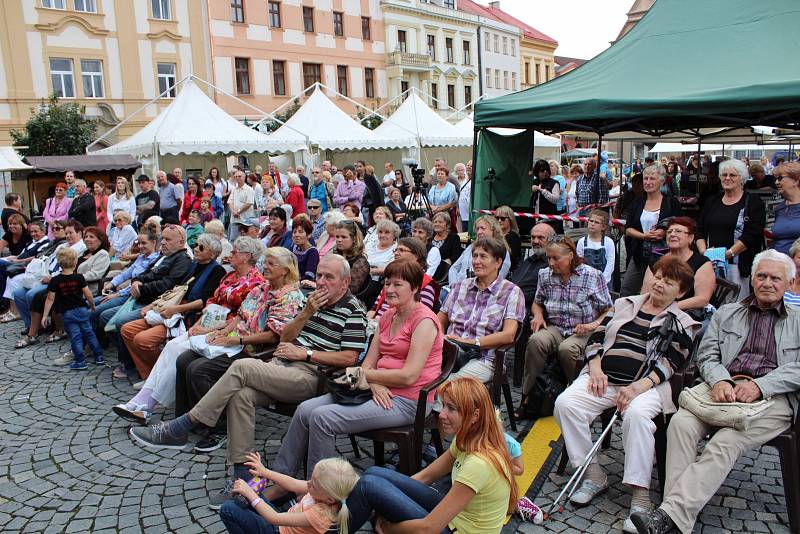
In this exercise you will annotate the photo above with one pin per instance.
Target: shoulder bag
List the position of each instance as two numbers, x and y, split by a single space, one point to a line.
736 415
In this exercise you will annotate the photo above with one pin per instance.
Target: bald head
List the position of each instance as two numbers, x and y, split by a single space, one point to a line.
540 234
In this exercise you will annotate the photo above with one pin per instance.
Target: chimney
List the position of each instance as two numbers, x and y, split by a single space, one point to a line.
495 4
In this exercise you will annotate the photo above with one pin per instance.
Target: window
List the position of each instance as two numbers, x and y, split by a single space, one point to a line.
496 44
527 78
274 14
366 30
161 9
338 24
311 74
369 82
62 77
450 3
488 78
341 77
166 79
451 95
514 47
92 73
279 77
401 41
242 67
468 95
488 43
467 55
237 10
505 45
505 80
404 88
448 50
513 81
497 79
432 47
435 95
53 4
536 72
308 19
87 6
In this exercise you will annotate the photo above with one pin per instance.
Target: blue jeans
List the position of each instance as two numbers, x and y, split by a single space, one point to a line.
23 298
393 496
79 329
103 312
122 351
241 519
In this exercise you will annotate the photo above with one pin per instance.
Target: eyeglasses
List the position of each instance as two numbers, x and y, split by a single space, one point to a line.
557 239
314 207
676 231
58 228
314 172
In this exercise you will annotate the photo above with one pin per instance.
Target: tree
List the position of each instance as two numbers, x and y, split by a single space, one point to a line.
55 130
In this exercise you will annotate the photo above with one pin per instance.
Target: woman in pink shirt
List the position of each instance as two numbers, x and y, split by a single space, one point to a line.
56 208
405 355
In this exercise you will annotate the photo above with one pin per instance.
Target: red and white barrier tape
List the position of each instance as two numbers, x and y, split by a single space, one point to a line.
573 218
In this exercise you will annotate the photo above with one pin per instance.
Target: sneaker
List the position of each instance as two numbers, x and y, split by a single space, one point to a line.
588 491
212 442
655 522
78 366
64 359
157 437
138 385
217 499
628 526
528 511
99 360
132 412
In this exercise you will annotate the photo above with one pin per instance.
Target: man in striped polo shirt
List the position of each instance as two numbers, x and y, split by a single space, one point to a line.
329 332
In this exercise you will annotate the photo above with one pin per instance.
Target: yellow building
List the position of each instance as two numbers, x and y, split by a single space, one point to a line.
109 56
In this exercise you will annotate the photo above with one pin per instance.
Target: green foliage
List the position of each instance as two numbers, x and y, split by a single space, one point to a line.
55 130
283 116
370 121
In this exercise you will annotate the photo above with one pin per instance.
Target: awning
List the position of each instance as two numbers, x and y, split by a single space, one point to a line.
83 163
10 160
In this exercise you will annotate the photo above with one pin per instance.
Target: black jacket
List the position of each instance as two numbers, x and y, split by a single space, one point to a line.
670 207
83 210
163 275
755 217
526 277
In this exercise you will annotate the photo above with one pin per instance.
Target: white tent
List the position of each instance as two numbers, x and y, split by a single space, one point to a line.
705 147
10 160
194 124
540 139
416 119
321 123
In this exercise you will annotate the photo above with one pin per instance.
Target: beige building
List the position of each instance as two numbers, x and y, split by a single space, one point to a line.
635 14
266 51
109 56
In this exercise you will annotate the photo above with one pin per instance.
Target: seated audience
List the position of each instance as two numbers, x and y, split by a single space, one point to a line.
485 226
327 240
371 236
12 265
277 234
307 255
399 210
526 277
422 229
446 240
121 234
350 246
792 296
381 252
17 237
217 229
508 224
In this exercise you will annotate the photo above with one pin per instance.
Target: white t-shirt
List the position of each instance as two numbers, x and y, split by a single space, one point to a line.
649 219
239 197
608 244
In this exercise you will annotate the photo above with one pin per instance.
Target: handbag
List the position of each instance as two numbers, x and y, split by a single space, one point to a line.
736 415
171 297
127 306
466 353
548 386
345 386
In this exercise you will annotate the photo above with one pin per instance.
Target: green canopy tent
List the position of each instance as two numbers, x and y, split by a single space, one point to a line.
688 70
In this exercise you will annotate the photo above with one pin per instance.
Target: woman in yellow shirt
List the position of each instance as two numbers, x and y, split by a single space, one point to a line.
483 491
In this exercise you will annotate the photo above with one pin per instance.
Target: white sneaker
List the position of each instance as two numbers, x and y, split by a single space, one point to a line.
629 527
588 491
138 385
64 359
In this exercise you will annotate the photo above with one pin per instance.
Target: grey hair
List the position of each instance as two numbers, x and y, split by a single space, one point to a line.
247 244
658 169
288 209
795 248
293 179
425 224
212 242
735 165
124 214
773 255
80 181
343 263
388 225
443 215
334 217
215 227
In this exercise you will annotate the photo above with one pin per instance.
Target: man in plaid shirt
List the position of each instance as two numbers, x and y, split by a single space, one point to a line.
571 301
585 188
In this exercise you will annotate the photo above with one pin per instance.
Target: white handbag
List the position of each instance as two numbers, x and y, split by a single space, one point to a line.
736 415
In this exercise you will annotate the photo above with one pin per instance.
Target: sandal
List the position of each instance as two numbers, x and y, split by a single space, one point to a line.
119 372
9 317
56 336
25 341
524 411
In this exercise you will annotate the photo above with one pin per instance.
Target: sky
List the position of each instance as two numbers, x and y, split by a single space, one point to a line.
583 28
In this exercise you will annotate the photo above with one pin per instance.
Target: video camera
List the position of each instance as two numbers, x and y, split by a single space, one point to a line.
416 173
491 175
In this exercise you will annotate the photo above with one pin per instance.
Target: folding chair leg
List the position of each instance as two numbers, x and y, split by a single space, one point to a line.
377 447
563 462
510 406
354 443
790 464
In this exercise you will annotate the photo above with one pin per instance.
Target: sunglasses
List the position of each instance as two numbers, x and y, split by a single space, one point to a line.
501 217
314 207
314 172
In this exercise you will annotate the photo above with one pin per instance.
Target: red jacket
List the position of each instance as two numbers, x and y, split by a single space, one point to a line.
297 200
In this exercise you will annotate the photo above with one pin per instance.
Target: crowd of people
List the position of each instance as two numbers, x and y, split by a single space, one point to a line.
225 295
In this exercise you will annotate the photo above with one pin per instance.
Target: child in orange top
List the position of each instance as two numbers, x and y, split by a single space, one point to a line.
322 502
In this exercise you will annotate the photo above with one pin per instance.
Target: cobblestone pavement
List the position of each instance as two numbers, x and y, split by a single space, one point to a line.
68 465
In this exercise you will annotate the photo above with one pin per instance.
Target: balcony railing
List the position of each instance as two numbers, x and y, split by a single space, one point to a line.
407 59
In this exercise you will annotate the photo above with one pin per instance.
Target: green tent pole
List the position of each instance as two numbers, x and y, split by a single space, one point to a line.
474 169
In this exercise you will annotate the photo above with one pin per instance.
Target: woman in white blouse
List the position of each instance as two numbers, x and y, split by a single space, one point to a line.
122 199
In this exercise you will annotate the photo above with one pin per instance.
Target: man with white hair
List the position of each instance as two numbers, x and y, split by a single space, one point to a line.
241 202
748 353
304 182
83 208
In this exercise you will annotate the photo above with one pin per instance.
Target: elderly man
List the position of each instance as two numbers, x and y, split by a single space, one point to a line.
757 337
280 182
329 332
526 277
304 182
318 191
83 208
316 218
241 202
168 198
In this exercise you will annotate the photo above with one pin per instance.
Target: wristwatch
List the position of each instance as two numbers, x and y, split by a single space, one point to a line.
477 342
309 352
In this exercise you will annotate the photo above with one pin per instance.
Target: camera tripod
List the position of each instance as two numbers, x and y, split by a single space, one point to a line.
418 203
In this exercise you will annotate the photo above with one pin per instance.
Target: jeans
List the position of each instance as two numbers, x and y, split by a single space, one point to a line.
393 496
115 337
79 329
241 519
104 311
23 298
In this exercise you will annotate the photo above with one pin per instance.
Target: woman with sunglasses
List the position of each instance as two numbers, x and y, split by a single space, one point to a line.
508 223
401 183
786 229
56 208
121 235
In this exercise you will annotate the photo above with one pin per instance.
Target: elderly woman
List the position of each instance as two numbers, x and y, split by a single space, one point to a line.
350 245
399 210
276 234
483 312
350 189
56 208
792 295
327 240
307 255
442 195
616 375
404 356
485 226
353 213
447 241
143 337
381 253
422 229
381 213
572 299
217 229
680 237
231 293
787 215
295 198
734 221
646 238
121 235
17 238
508 223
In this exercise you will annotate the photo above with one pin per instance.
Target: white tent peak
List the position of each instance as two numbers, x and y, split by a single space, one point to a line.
414 117
322 123
193 123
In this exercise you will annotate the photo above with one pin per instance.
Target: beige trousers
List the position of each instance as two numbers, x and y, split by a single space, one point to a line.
692 481
246 385
549 341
